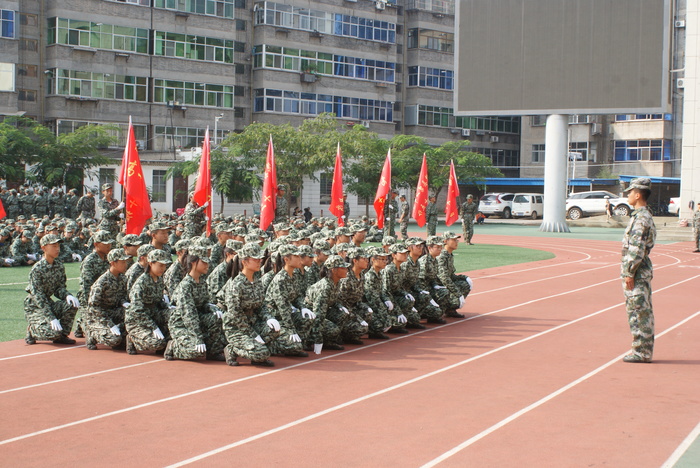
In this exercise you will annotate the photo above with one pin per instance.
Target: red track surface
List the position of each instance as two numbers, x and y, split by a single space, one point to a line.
532 377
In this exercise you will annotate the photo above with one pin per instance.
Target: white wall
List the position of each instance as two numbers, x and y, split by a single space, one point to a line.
690 167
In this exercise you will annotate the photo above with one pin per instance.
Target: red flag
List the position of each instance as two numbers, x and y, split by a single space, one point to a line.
269 194
337 203
451 211
202 189
2 211
421 201
138 206
383 190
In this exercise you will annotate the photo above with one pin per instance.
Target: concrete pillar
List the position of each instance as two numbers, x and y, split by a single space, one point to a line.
555 154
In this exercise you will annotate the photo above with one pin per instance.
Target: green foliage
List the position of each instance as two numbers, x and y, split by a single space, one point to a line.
606 172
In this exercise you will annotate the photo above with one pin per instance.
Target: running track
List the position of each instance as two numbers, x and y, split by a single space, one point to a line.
532 377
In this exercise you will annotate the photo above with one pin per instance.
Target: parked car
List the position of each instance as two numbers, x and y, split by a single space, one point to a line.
499 204
528 204
674 206
593 203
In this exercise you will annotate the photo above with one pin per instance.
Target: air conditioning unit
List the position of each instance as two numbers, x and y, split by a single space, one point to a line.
381 5
466 132
140 144
365 123
494 139
595 129
679 23
680 83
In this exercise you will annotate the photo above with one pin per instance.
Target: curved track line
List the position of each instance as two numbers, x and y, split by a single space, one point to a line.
41 352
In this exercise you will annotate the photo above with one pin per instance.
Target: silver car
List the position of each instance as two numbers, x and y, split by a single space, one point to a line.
499 204
593 203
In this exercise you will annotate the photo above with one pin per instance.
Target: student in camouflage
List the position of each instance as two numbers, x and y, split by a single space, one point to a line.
391 208
195 218
93 266
375 296
313 272
176 272
428 278
404 216
404 312
137 269
195 323
223 271
149 309
351 294
459 286
248 325
111 211
468 212
637 271
104 319
431 215
21 249
48 319
696 228
331 316
86 206
425 304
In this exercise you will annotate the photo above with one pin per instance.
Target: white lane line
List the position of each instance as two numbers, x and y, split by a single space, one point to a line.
682 448
26 282
541 401
41 352
423 377
80 376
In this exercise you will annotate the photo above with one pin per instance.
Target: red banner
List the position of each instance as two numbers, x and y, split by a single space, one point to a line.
383 190
337 203
269 194
451 209
202 189
2 211
421 201
138 205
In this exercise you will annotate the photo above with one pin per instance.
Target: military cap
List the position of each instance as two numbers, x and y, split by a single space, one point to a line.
50 228
251 251
251 239
450 235
335 261
201 242
359 227
223 227
132 239
50 239
343 231
117 254
288 249
375 251
292 237
182 244
21 218
158 226
27 232
414 241
145 249
341 247
282 227
323 247
357 252
641 183
157 255
70 227
396 191
399 247
106 187
40 229
282 187
435 240
239 231
388 240
103 237
306 251
234 244
199 252
5 232
304 234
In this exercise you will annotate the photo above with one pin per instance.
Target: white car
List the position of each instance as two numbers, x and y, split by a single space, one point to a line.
593 203
528 204
500 204
674 206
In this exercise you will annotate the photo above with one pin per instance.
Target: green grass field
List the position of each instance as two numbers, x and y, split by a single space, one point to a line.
14 280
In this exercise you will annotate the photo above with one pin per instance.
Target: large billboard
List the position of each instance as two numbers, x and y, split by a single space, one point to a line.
530 57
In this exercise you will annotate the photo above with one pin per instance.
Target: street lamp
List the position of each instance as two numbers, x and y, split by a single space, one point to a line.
216 126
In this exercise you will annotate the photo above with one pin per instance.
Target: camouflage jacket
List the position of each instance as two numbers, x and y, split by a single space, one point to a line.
194 215
172 277
391 208
351 289
411 275
637 244
404 211
146 298
244 305
46 280
133 274
321 297
392 281
266 279
108 293
280 297
696 220
446 271
191 299
19 249
313 274
431 213
70 206
216 256
216 279
428 272
108 210
374 293
281 210
86 207
92 268
468 210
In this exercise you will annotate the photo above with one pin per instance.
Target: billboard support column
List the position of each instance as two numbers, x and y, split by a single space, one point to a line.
556 150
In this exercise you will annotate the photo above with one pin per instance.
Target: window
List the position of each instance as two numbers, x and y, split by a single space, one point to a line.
31 45
579 119
538 153
106 177
168 138
97 35
27 95
27 70
580 147
625 117
7 76
26 19
643 150
135 2
194 94
220 8
433 116
500 158
159 187
326 185
427 77
99 85
240 25
121 132
430 39
193 47
7 24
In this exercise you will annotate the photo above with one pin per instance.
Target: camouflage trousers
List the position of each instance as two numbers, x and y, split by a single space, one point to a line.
432 227
283 343
468 229
184 340
98 323
405 306
389 229
110 226
348 324
39 320
425 308
697 239
142 333
244 345
446 300
191 231
380 320
640 316
328 331
404 229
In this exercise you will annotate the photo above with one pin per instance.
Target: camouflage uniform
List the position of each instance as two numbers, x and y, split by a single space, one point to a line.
351 292
412 284
283 303
172 277
468 212
105 310
457 285
323 299
636 245
90 270
70 206
429 280
696 229
245 318
194 220
46 280
312 275
217 255
110 216
404 214
147 312
431 216
134 273
41 204
12 206
391 207
281 210
19 251
393 284
194 321
86 207
215 280
375 296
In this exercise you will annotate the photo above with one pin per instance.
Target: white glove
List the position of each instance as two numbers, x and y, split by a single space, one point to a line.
157 334
294 309
424 292
317 348
56 325
126 304
115 330
166 299
201 348
345 310
408 296
295 338
402 318
121 215
77 257
438 287
172 307
217 311
206 218
413 309
389 305
206 203
471 283
308 313
363 323
274 324
31 257
432 301
259 339
10 260
461 301
73 301
370 310
391 207
121 206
